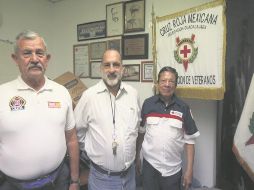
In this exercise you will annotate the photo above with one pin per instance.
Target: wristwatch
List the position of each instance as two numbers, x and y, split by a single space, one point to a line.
75 182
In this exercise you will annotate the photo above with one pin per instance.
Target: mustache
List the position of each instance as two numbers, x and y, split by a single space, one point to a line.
35 65
112 75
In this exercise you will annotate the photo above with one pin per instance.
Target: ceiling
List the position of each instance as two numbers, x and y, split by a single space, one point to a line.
55 1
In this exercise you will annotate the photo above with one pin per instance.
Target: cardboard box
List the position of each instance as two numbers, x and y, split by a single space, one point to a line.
73 84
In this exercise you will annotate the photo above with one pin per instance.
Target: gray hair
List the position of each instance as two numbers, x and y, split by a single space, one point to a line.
27 35
111 49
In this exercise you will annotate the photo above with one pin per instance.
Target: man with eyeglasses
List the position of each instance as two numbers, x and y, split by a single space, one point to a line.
107 118
167 128
37 125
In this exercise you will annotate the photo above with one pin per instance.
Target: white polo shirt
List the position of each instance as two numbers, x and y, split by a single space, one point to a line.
94 122
32 128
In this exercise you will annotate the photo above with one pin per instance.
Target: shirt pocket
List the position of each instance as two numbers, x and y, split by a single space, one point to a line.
172 128
152 121
175 123
129 116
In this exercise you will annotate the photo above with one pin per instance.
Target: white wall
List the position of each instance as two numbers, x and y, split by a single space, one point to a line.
58 22
16 16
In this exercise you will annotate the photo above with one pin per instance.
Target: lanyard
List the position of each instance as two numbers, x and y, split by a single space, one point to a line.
113 111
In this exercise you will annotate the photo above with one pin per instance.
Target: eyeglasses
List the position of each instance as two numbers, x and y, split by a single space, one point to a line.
170 82
29 53
108 65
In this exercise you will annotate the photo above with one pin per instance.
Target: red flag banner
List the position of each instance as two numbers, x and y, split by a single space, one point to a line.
243 146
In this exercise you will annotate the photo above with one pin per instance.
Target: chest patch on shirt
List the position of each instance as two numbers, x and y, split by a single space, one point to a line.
17 103
176 113
54 104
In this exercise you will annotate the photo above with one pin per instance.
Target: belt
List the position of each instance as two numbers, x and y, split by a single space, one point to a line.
38 182
109 172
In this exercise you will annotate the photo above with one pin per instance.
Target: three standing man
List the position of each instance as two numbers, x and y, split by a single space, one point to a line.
37 126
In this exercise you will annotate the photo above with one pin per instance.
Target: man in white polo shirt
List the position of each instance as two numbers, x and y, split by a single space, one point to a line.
37 124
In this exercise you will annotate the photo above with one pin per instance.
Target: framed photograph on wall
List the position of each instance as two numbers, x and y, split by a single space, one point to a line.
95 70
115 44
131 72
91 30
134 16
135 46
97 49
147 71
81 60
115 21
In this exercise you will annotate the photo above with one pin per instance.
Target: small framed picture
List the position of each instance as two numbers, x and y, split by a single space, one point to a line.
95 72
81 60
97 49
114 13
135 46
131 72
91 30
147 71
115 44
134 14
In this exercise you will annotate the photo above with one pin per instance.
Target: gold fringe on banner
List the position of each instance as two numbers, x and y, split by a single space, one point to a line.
201 93
224 49
154 49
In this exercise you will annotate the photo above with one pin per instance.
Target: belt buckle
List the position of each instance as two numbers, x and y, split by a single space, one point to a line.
109 172
113 173
124 172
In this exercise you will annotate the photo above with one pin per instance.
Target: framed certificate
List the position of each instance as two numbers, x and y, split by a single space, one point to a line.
97 49
147 71
81 60
135 46
95 72
115 44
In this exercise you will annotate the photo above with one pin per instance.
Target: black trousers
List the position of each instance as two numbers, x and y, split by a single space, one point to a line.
61 182
152 179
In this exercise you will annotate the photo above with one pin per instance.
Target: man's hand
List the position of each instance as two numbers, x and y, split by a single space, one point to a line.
187 179
74 186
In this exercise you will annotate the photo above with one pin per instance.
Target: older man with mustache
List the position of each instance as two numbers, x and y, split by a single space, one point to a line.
107 118
37 124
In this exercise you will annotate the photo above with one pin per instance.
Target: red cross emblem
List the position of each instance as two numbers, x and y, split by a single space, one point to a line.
185 52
